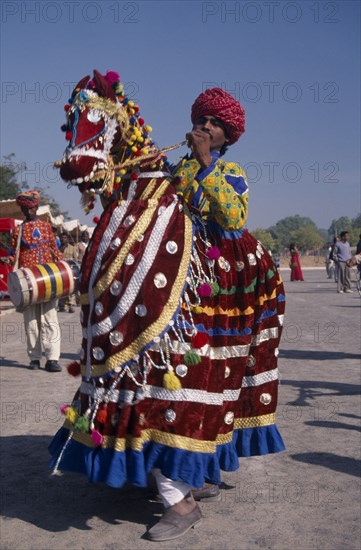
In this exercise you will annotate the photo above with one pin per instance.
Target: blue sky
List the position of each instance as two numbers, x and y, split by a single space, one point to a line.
294 66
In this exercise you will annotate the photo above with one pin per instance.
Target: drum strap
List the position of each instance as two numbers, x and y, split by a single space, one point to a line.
17 251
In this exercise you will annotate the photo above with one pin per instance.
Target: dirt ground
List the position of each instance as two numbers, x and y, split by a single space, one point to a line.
305 498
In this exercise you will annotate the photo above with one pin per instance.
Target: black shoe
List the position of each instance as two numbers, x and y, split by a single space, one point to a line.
34 365
52 366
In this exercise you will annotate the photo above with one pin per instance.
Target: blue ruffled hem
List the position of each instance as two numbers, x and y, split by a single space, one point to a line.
115 468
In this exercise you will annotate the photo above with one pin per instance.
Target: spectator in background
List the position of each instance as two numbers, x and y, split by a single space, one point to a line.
343 255
57 240
82 245
333 257
295 265
70 252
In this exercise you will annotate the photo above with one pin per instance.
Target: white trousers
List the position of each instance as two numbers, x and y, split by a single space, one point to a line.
170 491
42 331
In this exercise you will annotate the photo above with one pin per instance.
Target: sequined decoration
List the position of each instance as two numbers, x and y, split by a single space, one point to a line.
170 415
141 310
251 362
99 308
265 398
115 243
252 259
140 238
171 247
116 338
229 417
239 266
129 260
181 370
98 354
227 372
129 220
160 280
224 264
116 288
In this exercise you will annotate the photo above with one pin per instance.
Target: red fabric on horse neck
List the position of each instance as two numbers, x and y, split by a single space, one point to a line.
221 104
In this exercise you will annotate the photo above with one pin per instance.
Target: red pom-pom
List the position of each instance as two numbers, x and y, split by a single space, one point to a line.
200 340
68 136
112 77
102 416
66 107
136 108
134 176
116 186
96 219
74 368
205 290
91 206
213 253
141 121
137 153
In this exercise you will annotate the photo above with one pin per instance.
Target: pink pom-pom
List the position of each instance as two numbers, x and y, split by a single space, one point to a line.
213 253
205 290
97 437
112 77
64 408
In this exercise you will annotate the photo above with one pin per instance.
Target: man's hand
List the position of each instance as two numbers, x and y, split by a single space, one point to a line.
200 143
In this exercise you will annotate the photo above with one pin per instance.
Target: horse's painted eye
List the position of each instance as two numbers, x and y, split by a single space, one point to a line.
93 116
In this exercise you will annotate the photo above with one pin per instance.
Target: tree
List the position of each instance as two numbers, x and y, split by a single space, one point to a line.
341 224
283 228
265 237
10 187
307 237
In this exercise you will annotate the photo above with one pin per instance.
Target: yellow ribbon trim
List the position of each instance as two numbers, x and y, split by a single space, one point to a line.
235 312
171 440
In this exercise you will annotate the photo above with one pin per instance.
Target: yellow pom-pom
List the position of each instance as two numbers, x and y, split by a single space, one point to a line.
131 111
153 166
133 137
117 180
140 139
197 309
148 129
122 172
145 151
171 382
134 149
131 103
71 415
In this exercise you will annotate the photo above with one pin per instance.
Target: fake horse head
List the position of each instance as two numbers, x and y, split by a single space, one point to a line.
104 129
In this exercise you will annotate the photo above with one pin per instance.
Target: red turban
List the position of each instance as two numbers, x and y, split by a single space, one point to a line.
221 104
28 199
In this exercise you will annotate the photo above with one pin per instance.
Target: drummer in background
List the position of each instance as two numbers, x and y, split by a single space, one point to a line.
70 252
34 243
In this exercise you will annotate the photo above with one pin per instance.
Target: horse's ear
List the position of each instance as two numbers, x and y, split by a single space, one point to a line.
103 87
81 85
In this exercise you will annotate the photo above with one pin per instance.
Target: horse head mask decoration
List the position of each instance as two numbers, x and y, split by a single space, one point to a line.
103 128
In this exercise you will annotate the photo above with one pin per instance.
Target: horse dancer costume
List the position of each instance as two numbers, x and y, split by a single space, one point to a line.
181 318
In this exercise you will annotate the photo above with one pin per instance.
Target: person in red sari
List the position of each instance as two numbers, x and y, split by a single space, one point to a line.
295 265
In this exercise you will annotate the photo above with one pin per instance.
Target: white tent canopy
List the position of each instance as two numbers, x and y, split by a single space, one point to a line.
10 209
